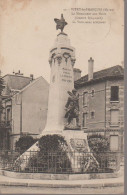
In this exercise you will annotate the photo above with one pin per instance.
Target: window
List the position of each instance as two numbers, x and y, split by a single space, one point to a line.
114 93
84 120
92 93
8 115
92 114
114 142
114 117
8 119
85 95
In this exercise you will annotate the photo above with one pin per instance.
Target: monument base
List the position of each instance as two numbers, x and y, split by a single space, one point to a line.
78 128
72 126
77 151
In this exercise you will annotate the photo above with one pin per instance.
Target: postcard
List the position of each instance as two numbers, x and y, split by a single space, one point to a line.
62 96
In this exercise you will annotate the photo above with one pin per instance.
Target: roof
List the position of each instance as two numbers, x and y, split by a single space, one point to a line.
15 82
26 87
108 73
33 82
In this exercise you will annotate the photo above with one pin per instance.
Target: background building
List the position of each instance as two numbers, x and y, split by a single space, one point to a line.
25 106
102 103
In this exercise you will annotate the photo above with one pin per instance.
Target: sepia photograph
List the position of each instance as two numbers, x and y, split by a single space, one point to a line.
61 96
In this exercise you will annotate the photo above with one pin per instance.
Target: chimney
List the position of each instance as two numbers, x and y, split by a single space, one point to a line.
90 68
77 74
32 76
19 73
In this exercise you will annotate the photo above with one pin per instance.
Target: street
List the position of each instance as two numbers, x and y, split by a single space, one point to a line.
41 190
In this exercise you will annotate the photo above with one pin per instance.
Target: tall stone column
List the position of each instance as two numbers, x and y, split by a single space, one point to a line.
61 60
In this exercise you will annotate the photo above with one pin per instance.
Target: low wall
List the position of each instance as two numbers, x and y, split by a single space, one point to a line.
49 176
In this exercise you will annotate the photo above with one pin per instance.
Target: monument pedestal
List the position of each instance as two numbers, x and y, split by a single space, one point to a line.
77 150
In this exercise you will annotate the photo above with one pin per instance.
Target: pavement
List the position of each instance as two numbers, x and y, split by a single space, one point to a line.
92 183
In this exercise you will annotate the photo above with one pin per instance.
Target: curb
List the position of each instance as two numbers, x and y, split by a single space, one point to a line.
94 185
62 177
86 183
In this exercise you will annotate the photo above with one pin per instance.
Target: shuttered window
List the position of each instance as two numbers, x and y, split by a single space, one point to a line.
84 119
114 93
114 142
85 96
114 117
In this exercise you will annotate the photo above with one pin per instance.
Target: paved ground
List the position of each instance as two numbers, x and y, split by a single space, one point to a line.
43 190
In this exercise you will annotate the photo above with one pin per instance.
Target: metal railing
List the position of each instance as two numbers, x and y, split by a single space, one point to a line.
59 162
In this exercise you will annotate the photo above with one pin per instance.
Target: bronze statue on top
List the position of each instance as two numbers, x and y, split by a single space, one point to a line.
72 110
60 23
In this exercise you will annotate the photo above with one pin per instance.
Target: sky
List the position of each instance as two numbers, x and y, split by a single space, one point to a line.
28 32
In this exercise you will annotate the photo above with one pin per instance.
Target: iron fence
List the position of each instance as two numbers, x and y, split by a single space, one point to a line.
59 162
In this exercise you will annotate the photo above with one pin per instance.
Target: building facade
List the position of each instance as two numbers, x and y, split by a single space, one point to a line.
25 107
102 103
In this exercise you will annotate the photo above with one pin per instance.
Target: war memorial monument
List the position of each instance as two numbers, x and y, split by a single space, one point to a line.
63 115
63 105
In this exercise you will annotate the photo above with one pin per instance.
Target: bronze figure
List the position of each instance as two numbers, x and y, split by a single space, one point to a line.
60 23
72 107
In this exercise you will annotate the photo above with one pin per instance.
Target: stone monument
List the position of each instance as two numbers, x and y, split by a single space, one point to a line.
63 108
61 60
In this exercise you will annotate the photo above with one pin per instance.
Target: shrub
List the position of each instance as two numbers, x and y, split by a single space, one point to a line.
51 143
52 156
24 143
99 145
